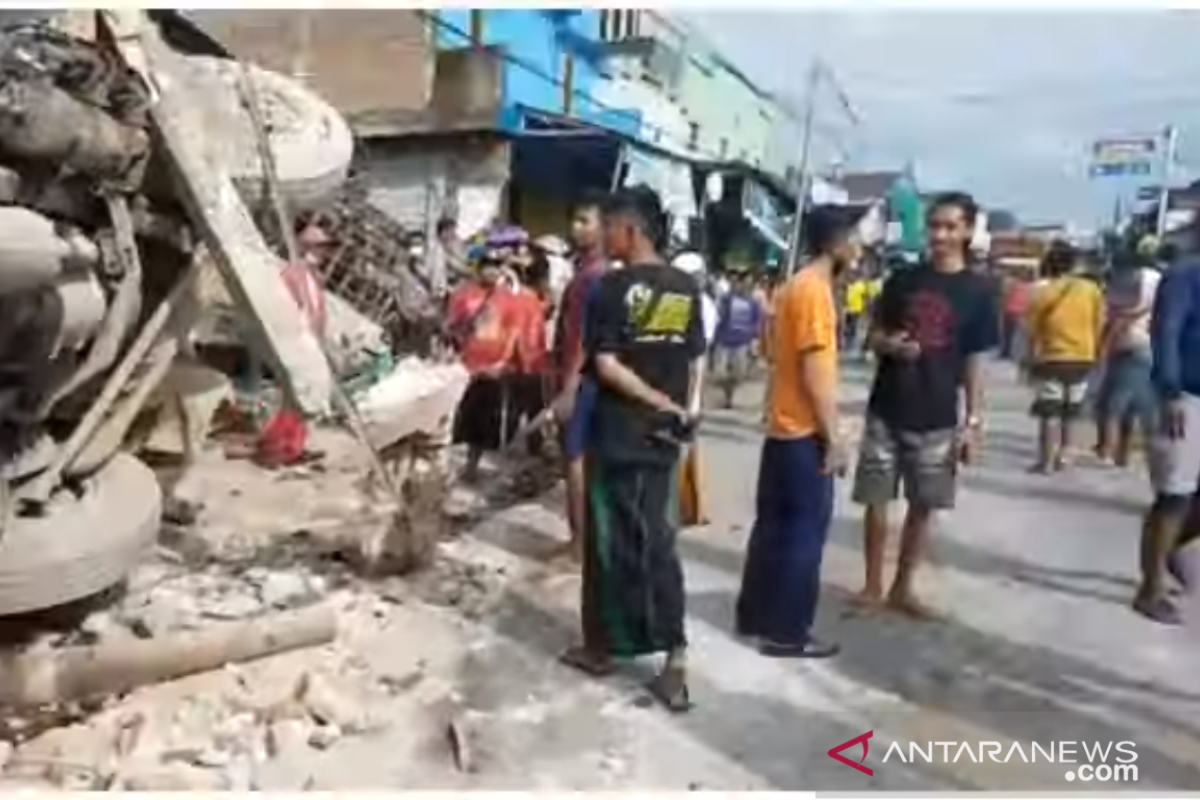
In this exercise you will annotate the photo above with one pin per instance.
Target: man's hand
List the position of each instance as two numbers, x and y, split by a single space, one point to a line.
900 345
1174 419
563 406
836 458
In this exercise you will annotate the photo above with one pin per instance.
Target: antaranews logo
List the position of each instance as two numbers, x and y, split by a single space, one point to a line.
836 753
1093 767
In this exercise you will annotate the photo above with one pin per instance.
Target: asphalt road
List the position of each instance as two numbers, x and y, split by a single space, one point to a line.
1037 645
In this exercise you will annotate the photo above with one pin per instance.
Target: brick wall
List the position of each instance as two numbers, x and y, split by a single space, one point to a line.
360 60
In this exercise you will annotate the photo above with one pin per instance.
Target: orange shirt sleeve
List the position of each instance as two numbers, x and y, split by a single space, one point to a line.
811 322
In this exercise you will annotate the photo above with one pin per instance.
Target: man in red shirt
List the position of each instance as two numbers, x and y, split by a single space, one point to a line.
1017 293
575 394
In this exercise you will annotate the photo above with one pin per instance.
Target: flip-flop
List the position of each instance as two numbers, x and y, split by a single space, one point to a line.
585 662
670 689
1162 611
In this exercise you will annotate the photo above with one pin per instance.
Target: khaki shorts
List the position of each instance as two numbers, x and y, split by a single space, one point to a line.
1175 463
925 463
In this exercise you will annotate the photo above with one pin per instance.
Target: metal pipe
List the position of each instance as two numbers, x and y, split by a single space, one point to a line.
1170 141
793 255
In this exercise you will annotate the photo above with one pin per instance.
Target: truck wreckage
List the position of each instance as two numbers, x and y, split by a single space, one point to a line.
128 172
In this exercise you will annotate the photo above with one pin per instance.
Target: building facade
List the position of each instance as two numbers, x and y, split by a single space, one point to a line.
550 62
725 115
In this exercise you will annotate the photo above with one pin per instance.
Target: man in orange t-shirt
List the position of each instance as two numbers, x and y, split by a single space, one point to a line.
802 453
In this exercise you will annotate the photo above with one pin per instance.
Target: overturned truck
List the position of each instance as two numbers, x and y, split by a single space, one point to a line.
124 168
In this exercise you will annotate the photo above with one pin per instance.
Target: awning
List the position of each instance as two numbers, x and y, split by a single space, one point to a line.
672 179
558 157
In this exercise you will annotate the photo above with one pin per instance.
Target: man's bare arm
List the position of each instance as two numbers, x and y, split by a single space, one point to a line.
821 393
973 386
696 385
629 383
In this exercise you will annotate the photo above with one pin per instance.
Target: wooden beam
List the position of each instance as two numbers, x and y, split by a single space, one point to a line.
251 271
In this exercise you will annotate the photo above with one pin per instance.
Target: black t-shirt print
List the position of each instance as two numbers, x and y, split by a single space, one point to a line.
952 317
649 317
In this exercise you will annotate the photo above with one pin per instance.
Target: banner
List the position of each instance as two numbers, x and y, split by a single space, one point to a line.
1124 157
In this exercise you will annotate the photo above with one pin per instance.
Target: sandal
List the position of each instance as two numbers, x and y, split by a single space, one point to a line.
588 663
670 688
1160 610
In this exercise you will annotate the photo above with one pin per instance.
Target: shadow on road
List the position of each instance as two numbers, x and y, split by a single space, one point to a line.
1027 693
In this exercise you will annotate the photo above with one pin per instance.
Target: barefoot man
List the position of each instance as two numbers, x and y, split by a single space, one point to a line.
932 324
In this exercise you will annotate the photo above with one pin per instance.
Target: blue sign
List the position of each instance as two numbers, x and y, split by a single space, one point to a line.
1149 192
1127 169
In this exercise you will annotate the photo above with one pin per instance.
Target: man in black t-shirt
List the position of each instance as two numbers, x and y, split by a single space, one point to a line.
931 325
645 342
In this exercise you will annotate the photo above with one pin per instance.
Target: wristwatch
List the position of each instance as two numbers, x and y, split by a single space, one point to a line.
974 423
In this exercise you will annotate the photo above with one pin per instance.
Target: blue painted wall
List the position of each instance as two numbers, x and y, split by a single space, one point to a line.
537 39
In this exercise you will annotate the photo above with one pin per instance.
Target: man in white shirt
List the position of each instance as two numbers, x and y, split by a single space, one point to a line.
1126 395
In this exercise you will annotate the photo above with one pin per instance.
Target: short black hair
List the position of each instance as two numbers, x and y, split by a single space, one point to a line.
960 200
642 204
445 224
825 226
1060 259
588 201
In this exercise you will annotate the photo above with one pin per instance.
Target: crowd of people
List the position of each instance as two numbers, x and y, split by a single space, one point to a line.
617 348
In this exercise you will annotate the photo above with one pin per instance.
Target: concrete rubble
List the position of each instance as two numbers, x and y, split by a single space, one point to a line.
283 722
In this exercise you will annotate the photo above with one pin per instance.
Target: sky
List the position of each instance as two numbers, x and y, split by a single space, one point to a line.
1002 104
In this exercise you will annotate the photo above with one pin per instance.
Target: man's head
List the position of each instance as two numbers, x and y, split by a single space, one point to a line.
491 266
312 241
829 233
1061 259
950 225
633 225
586 232
447 229
740 279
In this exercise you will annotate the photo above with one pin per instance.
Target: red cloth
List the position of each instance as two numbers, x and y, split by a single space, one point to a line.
282 440
489 334
531 344
569 334
1016 299
308 293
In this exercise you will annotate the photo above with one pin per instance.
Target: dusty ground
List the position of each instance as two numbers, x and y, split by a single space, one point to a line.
448 680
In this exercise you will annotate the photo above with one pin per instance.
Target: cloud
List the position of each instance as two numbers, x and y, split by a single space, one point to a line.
1004 104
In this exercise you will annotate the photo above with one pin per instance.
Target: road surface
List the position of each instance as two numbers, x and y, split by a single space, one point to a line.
1037 645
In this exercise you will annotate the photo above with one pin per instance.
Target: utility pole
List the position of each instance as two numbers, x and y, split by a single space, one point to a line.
568 82
810 109
1170 143
475 27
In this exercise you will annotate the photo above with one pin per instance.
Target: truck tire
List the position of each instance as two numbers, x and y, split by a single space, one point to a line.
83 546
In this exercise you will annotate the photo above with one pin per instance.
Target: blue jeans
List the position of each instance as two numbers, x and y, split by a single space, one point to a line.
1127 391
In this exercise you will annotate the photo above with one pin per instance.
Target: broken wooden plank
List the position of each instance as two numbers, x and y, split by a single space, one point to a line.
252 272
